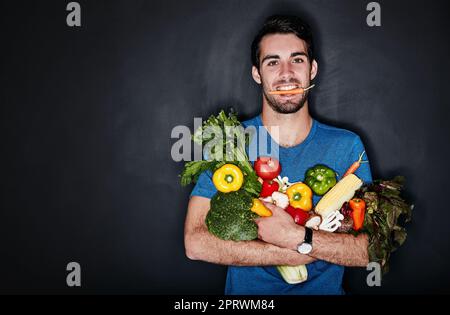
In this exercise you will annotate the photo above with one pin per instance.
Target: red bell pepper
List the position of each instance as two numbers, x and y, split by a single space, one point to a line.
300 216
268 187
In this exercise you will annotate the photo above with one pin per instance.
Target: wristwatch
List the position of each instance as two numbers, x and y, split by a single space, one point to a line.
306 246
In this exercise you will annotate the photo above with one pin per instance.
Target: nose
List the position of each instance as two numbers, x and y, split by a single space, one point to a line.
286 71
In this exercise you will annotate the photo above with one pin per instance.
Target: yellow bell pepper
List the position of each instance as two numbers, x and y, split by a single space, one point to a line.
260 209
300 196
228 178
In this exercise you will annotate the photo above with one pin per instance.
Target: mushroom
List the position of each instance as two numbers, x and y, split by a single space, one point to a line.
332 222
283 182
314 222
280 200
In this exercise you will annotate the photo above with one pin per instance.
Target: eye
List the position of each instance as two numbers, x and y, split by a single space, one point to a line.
272 63
298 60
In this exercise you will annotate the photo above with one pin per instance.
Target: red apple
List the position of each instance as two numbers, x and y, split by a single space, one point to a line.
267 167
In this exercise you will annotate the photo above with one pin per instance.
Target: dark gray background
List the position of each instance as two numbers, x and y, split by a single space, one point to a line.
87 115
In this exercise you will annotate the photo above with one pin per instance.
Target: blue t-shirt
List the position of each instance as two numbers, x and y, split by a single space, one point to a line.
337 148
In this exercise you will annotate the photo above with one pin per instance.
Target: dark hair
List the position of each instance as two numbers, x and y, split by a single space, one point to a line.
283 24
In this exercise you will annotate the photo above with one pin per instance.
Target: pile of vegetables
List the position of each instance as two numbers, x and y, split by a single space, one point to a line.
230 216
346 206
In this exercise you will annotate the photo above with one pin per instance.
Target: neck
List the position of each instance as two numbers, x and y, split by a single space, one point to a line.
293 128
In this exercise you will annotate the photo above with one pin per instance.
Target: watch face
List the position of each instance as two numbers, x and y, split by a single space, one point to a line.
304 248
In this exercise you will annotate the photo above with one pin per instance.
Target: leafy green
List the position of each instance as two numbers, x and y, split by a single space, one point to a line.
386 213
230 217
193 169
252 185
230 150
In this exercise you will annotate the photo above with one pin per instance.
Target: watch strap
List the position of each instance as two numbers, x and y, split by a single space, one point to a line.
308 235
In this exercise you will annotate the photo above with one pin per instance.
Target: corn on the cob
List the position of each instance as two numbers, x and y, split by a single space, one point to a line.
342 192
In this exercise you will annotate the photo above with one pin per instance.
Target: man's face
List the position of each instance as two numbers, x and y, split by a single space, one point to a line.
284 64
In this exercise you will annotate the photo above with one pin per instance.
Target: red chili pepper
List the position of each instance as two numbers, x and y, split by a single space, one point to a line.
268 187
358 207
300 216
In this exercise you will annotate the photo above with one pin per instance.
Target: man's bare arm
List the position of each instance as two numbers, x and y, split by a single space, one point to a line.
336 248
341 249
202 245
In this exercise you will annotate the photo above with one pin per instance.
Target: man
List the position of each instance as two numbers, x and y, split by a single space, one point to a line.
283 58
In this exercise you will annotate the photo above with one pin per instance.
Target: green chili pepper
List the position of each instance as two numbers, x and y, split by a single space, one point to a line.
320 179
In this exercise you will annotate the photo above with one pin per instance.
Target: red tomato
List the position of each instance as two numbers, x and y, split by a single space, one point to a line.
267 167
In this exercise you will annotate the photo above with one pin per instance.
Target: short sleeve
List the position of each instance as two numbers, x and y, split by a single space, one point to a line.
363 171
204 186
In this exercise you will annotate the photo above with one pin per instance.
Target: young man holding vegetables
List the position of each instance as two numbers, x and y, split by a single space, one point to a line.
283 59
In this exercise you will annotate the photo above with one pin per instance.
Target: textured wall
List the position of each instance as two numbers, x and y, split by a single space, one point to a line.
87 115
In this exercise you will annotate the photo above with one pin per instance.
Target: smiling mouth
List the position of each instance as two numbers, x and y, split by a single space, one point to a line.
287 87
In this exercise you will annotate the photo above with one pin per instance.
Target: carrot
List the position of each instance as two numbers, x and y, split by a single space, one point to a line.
355 165
294 91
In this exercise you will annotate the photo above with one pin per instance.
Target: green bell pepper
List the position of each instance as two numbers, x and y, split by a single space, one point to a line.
320 179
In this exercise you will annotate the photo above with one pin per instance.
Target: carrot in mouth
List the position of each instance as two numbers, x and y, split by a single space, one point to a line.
294 91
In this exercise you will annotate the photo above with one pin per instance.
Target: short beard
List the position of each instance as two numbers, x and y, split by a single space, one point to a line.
288 107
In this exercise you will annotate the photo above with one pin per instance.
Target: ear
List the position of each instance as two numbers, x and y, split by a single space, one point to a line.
314 69
255 74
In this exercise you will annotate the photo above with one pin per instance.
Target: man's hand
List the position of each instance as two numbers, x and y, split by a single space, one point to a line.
280 229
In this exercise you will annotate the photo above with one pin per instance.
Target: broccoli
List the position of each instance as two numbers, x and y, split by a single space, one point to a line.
230 217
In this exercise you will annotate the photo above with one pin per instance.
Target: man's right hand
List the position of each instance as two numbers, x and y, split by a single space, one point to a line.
202 245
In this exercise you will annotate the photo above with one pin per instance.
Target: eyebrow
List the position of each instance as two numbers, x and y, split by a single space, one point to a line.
294 54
